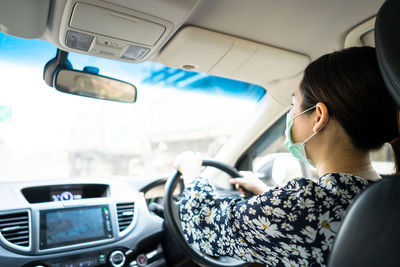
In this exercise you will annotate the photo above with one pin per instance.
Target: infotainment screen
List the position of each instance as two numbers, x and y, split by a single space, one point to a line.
61 227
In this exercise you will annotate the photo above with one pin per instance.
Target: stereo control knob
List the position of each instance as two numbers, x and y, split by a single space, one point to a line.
117 258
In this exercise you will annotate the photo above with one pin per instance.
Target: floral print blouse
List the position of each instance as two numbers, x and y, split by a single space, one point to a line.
291 225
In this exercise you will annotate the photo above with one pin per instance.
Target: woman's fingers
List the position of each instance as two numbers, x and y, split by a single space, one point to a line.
188 164
187 160
241 184
250 182
234 181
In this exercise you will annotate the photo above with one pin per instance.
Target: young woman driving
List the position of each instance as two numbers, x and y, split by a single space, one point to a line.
341 111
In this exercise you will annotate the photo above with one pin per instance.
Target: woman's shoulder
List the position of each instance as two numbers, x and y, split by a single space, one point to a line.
342 179
329 178
332 182
297 183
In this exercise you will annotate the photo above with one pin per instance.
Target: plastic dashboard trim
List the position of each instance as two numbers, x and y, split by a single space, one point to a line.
144 225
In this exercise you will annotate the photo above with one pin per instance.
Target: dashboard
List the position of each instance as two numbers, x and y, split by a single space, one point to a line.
78 223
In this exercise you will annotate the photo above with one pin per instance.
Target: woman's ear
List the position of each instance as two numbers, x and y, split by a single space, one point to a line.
321 116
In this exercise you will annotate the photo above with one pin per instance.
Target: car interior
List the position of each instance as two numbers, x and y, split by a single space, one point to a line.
252 52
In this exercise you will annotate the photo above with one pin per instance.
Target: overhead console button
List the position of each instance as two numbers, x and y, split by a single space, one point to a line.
130 28
78 40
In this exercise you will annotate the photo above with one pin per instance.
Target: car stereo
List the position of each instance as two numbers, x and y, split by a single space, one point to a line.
63 227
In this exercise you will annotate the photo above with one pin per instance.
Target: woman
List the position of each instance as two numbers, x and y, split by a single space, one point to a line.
341 111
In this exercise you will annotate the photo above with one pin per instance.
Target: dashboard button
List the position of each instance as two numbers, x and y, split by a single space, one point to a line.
117 258
151 254
141 260
108 226
102 258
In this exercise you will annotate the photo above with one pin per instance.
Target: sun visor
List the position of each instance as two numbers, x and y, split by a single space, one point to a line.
218 54
31 18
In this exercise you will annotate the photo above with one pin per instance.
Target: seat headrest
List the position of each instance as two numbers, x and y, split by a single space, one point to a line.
387 42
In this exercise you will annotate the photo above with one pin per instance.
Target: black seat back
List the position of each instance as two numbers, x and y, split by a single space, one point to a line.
370 232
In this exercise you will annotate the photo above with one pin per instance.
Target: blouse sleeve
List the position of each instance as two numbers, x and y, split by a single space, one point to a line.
276 226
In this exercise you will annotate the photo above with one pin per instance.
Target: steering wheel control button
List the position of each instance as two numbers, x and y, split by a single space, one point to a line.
141 260
117 258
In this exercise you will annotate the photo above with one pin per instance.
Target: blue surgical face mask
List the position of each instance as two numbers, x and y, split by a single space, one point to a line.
298 150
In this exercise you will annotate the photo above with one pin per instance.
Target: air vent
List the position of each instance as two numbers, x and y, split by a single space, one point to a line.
15 228
125 213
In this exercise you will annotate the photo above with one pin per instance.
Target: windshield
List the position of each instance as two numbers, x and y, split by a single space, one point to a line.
47 134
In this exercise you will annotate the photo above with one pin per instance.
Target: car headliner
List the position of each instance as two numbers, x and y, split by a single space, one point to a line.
310 27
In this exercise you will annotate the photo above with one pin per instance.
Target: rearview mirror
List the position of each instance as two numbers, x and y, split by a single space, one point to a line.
59 73
93 85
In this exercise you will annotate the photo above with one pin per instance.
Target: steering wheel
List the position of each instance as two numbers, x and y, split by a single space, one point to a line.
173 222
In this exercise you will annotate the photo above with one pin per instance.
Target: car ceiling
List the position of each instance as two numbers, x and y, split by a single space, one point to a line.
310 27
307 27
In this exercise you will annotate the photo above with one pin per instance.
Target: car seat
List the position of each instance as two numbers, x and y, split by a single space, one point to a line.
370 232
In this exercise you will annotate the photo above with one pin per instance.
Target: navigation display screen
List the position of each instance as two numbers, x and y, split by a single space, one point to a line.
74 225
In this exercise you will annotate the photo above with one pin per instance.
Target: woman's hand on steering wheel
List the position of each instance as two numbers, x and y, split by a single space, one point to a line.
189 165
250 182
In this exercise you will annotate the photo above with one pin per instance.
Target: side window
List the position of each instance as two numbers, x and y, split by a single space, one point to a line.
382 160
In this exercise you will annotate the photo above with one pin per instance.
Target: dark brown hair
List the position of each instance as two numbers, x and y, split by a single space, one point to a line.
349 83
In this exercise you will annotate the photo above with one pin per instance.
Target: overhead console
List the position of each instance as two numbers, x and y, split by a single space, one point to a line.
117 33
103 29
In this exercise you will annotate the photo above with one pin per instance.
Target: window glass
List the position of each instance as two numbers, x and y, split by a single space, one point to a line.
382 160
48 134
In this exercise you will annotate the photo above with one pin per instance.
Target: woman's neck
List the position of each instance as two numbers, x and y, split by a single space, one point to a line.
352 162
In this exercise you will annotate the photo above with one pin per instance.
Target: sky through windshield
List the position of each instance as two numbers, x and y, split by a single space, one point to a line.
55 135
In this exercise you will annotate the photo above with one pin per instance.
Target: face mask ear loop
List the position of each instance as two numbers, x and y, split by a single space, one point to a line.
303 112
316 131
